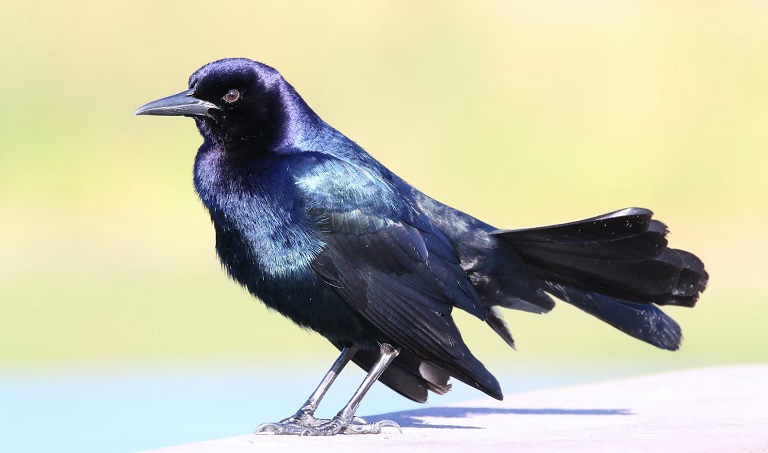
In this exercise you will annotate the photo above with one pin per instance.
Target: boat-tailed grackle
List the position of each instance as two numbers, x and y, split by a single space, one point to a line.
320 231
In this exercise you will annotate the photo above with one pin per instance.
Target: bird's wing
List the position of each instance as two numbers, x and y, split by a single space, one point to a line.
391 265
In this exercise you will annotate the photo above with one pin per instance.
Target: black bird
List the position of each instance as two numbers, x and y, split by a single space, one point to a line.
323 233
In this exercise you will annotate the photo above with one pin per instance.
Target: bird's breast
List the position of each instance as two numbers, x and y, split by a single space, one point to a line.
261 225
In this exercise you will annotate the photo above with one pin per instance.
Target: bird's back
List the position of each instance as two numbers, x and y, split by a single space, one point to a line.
319 230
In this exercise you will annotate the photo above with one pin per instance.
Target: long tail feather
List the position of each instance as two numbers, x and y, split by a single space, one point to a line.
642 321
614 266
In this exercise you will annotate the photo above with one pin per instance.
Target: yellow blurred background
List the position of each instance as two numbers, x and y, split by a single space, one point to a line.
520 113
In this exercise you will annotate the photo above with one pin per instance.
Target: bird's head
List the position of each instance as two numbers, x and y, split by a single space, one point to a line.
234 101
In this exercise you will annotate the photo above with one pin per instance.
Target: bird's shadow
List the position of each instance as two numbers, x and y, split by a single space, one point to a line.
415 418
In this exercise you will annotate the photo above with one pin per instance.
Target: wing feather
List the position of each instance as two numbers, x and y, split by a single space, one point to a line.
387 261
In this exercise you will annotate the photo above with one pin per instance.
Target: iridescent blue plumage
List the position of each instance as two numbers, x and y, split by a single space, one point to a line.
320 231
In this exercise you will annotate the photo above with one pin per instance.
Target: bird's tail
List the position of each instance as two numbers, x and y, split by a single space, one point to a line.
616 267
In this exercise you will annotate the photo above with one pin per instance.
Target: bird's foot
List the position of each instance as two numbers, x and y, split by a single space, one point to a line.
307 425
371 428
307 419
301 418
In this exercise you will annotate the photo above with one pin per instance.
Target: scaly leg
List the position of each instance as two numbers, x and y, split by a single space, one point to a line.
304 423
304 417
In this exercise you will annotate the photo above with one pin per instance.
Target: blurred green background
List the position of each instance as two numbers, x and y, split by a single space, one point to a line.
520 113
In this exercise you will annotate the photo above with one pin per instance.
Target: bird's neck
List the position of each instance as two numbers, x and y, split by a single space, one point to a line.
303 130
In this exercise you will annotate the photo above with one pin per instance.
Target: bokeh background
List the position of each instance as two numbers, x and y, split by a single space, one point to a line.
520 113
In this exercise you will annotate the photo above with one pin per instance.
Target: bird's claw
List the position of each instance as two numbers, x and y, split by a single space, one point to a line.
319 427
370 428
281 428
271 428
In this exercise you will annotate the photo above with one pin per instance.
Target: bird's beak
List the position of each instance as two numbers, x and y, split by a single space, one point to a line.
181 104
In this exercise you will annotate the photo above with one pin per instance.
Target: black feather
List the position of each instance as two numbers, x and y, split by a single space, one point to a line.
407 375
316 228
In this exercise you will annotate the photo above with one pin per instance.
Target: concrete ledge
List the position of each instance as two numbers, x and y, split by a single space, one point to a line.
702 410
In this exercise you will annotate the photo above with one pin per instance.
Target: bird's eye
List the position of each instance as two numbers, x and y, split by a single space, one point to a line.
232 96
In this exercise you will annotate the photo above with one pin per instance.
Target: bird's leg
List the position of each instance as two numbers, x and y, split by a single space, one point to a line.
304 417
344 421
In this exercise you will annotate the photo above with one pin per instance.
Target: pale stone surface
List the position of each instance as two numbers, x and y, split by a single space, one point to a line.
701 410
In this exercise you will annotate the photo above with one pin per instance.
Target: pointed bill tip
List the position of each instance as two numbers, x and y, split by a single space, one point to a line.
180 104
